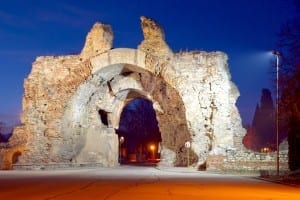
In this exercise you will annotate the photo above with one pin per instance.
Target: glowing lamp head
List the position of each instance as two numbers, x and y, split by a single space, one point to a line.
122 139
276 53
152 147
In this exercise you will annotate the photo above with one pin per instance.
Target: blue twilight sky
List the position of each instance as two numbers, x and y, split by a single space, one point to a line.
244 29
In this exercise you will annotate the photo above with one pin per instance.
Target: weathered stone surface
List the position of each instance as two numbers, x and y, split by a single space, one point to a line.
154 39
98 40
192 93
10 152
237 160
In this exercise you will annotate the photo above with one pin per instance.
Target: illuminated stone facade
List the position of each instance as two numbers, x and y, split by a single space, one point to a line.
192 94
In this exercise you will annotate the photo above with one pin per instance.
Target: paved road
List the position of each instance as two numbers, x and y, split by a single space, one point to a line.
131 182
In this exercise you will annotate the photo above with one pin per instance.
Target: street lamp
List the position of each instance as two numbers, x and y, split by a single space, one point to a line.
152 148
277 54
121 141
187 145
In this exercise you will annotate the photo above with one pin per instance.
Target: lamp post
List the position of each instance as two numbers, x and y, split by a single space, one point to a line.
187 145
152 148
277 54
121 141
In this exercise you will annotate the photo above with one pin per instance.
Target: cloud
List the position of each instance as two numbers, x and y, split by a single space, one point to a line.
34 14
78 11
9 19
16 18
65 13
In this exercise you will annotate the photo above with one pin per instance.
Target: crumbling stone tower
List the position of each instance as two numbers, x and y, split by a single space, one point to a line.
192 94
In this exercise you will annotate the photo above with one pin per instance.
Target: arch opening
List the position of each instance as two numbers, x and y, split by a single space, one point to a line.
94 114
138 133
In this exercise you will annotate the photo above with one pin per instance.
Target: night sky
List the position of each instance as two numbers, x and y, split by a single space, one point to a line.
244 29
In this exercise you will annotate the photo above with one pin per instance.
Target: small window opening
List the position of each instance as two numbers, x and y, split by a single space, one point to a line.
103 116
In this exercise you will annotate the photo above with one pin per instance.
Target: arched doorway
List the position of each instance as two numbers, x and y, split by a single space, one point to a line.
138 133
94 113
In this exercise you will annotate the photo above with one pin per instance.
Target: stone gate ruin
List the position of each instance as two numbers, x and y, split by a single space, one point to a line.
192 94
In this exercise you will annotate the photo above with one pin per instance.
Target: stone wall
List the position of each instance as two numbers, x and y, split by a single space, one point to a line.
47 91
203 82
248 160
192 94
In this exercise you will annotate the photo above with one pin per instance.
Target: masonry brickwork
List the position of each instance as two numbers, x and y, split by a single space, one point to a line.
192 94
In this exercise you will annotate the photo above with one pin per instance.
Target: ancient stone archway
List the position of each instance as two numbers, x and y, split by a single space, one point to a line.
109 89
191 92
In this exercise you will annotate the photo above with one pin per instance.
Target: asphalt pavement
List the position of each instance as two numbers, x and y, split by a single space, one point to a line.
135 182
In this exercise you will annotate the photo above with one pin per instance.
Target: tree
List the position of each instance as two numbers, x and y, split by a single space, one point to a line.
2 139
261 134
1 126
289 47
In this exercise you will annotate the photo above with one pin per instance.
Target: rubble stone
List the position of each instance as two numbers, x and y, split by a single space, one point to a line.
192 93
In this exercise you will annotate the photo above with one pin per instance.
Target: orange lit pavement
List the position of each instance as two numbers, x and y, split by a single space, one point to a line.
128 182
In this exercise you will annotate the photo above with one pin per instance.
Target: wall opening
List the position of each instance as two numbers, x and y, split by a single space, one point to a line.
103 117
139 136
